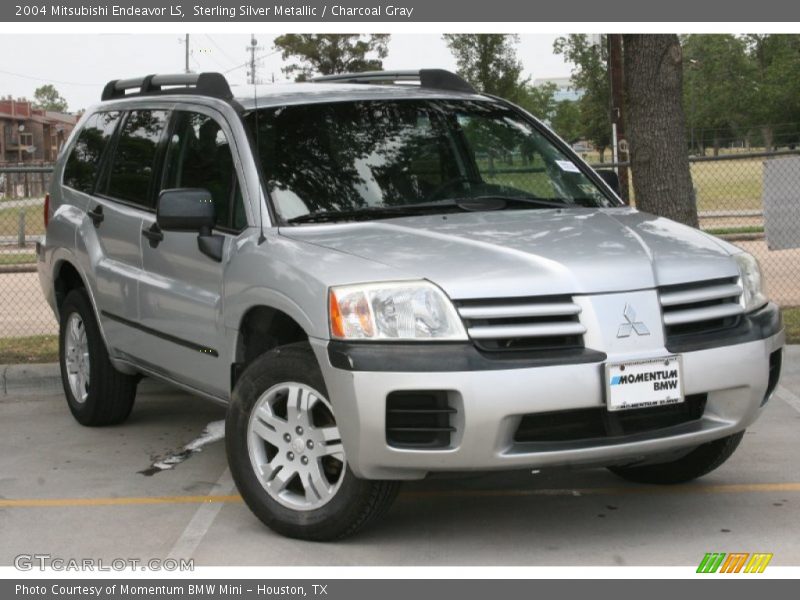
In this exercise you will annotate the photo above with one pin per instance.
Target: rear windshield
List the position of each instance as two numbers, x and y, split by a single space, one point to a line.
349 156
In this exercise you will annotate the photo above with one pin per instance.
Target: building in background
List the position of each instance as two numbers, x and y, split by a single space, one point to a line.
564 88
29 134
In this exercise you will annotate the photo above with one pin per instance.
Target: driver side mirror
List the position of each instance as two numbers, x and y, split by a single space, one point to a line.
191 209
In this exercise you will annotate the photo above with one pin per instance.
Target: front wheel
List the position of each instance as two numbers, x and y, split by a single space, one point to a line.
700 461
286 454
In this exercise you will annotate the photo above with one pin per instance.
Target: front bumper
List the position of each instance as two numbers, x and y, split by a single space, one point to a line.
491 404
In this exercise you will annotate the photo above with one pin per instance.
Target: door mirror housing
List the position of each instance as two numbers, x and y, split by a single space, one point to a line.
611 178
192 210
185 209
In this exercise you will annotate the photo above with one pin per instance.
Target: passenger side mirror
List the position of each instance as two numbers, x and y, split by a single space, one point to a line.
611 178
191 209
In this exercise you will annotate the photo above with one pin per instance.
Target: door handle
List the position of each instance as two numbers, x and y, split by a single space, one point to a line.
154 235
96 215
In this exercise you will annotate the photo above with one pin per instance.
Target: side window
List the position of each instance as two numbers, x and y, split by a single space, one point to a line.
199 156
134 163
83 163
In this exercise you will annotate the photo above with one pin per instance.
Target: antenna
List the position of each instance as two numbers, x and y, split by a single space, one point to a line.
252 49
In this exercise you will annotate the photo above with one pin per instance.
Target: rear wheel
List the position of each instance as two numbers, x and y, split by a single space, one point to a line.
286 453
700 461
97 394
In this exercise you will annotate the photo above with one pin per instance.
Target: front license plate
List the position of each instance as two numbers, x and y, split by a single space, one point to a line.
644 383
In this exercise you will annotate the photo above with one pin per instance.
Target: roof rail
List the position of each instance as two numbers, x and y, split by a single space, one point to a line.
437 79
204 84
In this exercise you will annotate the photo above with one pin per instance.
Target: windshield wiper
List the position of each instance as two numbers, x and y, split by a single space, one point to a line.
326 216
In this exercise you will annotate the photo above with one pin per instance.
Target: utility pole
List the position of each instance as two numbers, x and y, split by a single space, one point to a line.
186 42
619 141
187 52
252 49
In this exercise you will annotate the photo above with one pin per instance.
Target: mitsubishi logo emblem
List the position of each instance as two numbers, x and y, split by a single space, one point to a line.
631 324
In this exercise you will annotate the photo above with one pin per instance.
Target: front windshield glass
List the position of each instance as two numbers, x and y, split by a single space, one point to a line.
347 157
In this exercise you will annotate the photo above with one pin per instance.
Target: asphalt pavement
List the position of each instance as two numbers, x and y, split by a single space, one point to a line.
76 492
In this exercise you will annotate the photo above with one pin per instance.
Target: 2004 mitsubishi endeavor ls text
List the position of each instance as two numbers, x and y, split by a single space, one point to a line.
388 275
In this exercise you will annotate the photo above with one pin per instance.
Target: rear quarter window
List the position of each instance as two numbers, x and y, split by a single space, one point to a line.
83 164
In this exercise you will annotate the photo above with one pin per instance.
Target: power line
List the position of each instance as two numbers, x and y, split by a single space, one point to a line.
259 57
48 80
218 47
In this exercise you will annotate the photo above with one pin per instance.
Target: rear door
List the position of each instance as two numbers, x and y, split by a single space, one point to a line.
122 193
180 295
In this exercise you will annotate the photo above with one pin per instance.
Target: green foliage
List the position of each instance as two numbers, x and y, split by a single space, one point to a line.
567 120
489 62
589 74
48 98
540 101
327 54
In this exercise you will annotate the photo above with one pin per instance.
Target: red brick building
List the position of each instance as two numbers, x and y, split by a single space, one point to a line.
29 134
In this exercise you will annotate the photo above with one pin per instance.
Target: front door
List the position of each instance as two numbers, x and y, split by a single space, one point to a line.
181 292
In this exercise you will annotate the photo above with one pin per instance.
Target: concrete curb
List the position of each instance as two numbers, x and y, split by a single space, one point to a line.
45 379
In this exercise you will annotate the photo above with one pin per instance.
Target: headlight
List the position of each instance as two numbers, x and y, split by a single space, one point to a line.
415 310
753 296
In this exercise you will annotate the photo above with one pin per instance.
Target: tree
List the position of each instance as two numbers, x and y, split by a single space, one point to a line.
590 76
656 126
567 121
327 54
775 93
540 101
489 62
47 97
717 87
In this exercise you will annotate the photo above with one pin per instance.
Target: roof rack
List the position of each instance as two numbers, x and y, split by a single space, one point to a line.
437 79
205 84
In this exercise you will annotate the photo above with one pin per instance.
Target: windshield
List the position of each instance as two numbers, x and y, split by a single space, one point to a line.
382 156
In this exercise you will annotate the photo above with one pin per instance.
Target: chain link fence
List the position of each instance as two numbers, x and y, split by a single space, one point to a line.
751 199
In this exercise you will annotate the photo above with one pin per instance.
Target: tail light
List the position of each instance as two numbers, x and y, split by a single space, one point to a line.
46 214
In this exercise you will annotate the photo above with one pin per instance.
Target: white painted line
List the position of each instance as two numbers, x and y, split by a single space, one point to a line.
789 397
202 520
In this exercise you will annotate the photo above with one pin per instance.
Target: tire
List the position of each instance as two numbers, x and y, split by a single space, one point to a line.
103 396
304 489
700 461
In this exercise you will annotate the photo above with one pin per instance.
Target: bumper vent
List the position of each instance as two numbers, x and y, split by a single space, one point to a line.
775 360
523 323
598 423
701 307
421 419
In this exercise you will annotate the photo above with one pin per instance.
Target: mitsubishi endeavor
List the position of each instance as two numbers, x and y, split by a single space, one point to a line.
388 275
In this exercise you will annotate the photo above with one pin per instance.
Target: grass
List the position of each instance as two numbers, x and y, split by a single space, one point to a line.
33 349
9 221
791 320
735 230
18 258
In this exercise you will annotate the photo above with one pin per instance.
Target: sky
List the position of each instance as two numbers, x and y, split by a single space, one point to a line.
79 65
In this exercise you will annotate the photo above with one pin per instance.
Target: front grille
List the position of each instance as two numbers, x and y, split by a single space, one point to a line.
700 307
598 423
542 323
419 419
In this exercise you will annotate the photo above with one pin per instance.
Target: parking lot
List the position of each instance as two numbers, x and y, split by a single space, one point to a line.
75 492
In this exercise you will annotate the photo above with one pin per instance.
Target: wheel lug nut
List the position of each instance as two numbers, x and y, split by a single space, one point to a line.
290 455
287 437
299 430
304 460
310 444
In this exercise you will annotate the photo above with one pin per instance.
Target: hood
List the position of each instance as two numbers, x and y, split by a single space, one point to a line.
532 252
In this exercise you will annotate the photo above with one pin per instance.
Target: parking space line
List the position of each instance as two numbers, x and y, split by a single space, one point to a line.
202 520
732 488
789 397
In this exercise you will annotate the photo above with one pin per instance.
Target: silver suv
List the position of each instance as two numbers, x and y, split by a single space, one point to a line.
385 276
